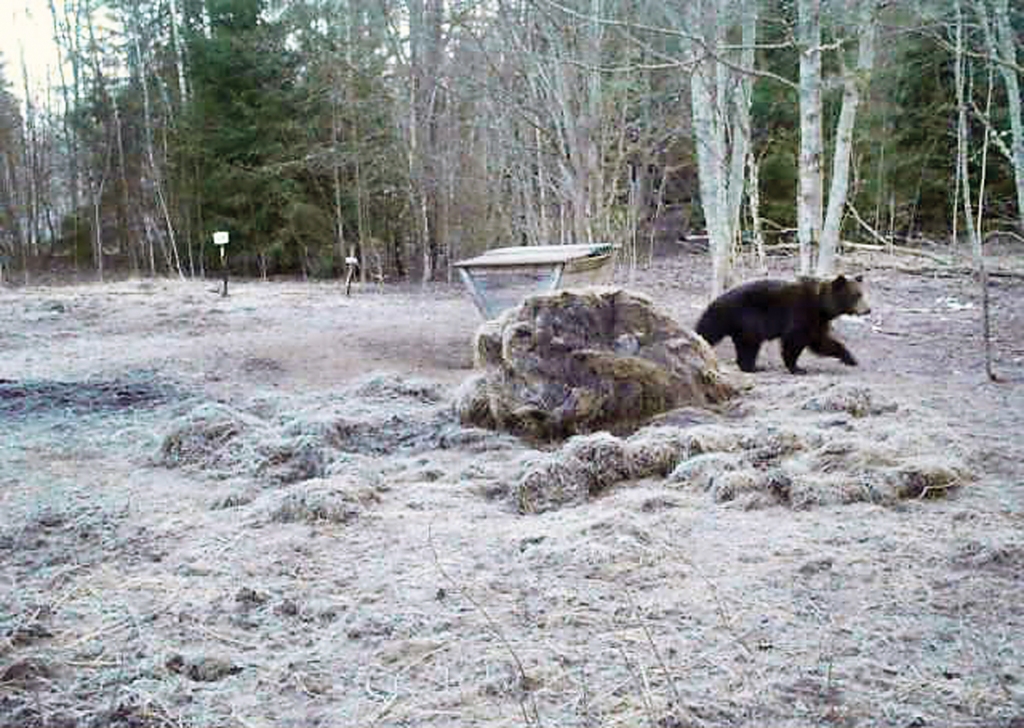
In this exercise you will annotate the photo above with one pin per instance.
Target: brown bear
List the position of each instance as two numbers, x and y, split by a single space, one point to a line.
797 312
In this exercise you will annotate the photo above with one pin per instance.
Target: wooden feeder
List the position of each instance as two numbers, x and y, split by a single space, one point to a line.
502 277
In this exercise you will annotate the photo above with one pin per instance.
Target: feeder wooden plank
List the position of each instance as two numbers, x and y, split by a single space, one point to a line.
501 278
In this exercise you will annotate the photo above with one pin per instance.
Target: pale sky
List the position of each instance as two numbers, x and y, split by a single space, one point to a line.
26 27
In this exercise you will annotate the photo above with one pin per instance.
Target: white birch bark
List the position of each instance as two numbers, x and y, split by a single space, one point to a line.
963 172
179 55
67 52
740 133
853 83
754 185
595 103
565 105
712 150
1007 53
417 194
98 178
156 177
544 234
577 127
809 195
339 222
31 166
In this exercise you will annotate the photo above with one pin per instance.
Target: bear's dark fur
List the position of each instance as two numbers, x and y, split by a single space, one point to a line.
796 312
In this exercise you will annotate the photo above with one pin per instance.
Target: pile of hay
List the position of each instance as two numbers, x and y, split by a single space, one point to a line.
212 437
573 362
796 458
322 501
859 401
587 465
276 441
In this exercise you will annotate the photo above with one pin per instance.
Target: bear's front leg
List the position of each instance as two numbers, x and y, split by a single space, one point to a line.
746 353
791 350
827 346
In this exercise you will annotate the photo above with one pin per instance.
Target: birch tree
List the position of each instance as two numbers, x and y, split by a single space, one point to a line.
742 156
68 53
809 196
155 168
854 82
1001 49
720 102
964 179
31 169
103 144
425 57
11 134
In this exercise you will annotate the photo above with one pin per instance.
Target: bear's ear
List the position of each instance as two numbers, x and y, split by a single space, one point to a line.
839 282
859 278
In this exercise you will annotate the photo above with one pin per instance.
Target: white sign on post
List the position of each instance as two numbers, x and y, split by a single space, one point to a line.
220 239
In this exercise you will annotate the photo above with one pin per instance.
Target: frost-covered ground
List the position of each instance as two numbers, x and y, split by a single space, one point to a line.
260 511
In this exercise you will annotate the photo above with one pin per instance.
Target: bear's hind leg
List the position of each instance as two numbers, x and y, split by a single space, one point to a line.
746 353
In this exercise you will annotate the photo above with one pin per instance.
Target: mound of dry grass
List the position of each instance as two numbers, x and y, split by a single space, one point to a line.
859 401
292 459
209 437
393 387
585 466
578 361
278 442
322 501
793 458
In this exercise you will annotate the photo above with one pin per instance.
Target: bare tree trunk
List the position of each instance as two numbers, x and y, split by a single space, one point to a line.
154 170
562 114
123 180
577 139
67 51
30 246
594 172
544 227
740 133
98 178
809 198
179 55
979 252
339 221
852 86
1008 54
96 194
424 66
361 222
754 197
10 207
721 179
963 171
1002 51
415 176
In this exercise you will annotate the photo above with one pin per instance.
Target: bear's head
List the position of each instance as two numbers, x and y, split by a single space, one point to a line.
844 295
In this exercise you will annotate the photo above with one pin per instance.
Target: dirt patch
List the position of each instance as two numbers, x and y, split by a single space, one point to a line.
40 397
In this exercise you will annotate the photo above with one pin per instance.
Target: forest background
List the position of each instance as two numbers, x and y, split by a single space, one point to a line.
413 133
